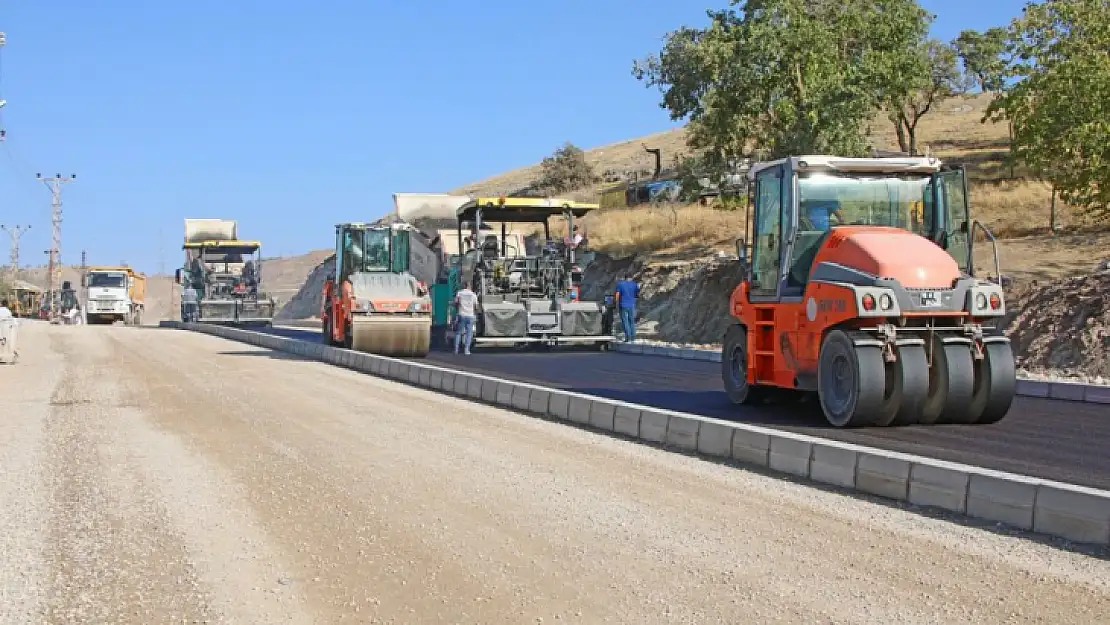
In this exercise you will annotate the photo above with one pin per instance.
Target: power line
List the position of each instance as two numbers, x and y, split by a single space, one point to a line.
54 265
15 232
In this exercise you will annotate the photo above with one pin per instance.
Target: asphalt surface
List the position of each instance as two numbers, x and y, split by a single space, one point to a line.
1051 439
152 476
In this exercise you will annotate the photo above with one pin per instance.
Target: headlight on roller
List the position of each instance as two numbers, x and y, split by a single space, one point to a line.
362 306
419 307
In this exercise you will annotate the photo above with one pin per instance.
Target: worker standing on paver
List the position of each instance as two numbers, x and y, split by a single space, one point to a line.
466 301
625 293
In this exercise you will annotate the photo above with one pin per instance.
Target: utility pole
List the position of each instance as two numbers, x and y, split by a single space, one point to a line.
54 266
15 232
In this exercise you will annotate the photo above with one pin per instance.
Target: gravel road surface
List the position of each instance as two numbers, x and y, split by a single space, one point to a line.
157 476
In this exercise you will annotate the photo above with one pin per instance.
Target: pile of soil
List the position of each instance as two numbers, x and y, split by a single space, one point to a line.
680 301
1063 327
310 298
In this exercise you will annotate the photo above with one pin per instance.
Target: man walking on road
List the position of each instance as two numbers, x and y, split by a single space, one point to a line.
626 293
466 301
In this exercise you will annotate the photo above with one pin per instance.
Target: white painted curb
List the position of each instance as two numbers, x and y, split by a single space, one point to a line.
1070 391
1067 511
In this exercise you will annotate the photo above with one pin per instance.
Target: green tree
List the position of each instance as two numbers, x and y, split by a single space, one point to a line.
786 76
1059 103
934 75
983 56
565 170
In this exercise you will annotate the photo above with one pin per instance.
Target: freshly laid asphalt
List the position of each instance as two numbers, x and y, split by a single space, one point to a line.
1051 439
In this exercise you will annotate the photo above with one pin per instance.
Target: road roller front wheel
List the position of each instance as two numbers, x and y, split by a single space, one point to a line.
851 381
907 385
951 383
995 383
734 368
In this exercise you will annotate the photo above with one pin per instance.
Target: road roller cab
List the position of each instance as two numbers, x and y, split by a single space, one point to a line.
860 286
372 303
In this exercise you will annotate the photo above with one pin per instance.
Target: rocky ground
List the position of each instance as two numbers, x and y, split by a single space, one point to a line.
157 476
1059 327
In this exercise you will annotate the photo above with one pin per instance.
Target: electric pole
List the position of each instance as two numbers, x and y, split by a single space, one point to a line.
54 265
15 232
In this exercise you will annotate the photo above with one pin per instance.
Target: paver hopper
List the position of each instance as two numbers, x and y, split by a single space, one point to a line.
226 273
525 297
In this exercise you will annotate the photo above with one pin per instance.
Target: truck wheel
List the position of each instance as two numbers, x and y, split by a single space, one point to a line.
995 384
734 368
851 381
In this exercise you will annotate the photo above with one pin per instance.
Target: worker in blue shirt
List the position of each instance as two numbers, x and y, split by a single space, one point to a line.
818 212
625 294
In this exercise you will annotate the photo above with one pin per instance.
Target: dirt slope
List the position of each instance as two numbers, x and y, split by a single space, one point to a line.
132 494
1064 325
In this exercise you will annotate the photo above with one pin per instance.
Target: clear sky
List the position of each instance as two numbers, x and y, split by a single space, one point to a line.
290 117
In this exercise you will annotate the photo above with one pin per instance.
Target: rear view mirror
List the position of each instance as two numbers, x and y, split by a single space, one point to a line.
742 249
177 276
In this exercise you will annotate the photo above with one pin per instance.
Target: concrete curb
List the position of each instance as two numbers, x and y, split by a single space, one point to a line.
1066 511
1068 391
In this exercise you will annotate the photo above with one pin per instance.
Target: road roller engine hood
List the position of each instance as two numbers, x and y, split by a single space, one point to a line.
387 293
895 272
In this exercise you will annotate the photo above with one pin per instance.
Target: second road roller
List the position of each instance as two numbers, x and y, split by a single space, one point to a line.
373 302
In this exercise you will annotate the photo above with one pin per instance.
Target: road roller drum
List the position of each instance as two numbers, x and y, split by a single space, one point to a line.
404 337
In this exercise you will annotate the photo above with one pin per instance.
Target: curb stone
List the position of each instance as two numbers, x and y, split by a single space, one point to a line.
1026 387
1071 512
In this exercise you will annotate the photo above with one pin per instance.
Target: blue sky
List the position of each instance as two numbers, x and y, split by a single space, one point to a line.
290 117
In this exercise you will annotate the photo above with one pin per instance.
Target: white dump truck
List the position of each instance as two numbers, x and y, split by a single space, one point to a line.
113 294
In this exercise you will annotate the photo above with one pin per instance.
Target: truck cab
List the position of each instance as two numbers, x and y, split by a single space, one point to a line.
114 294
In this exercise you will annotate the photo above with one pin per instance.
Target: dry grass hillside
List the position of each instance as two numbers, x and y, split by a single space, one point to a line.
1016 207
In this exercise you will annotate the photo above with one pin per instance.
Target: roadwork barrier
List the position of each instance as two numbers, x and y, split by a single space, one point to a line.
1066 511
1026 387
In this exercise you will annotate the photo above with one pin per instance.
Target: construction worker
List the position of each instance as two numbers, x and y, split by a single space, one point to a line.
8 325
466 302
819 211
189 303
625 295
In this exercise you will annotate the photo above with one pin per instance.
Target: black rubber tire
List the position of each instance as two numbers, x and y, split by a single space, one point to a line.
995 384
851 381
734 368
348 336
326 339
951 382
907 385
